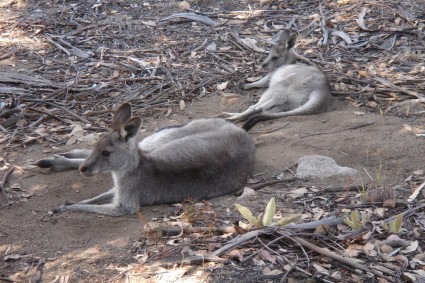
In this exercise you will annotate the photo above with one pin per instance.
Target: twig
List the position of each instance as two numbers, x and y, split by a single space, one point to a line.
405 213
341 130
167 231
268 183
413 196
344 260
60 107
241 239
401 89
3 183
60 47
197 260
193 17
269 131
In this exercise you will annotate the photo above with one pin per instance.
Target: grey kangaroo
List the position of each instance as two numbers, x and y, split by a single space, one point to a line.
292 89
202 159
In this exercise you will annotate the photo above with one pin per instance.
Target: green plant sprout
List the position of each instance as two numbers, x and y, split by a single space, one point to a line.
266 218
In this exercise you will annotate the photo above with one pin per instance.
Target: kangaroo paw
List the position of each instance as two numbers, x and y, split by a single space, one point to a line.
58 163
45 163
59 209
232 116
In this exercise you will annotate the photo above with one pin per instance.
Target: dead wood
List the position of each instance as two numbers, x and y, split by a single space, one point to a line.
194 260
4 182
341 130
193 17
171 231
344 260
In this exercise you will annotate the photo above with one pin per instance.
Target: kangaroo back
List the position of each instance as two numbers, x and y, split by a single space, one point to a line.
201 160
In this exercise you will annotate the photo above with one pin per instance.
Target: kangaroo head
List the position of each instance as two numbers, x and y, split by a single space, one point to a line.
281 52
116 151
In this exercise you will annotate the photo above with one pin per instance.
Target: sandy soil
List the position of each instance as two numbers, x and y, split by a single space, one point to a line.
79 245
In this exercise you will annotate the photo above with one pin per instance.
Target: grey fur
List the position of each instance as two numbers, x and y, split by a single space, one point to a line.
292 89
202 159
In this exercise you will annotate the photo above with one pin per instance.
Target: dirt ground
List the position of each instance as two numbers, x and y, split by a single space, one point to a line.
80 245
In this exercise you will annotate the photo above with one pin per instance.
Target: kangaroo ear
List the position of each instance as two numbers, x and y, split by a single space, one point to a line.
121 116
279 46
291 41
131 128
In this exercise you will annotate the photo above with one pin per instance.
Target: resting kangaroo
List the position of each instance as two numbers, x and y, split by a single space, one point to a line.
202 159
292 89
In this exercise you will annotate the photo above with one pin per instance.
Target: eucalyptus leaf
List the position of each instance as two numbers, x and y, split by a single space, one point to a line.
288 219
247 214
269 212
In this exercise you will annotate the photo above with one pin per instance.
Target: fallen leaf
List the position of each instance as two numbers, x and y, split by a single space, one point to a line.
15 186
407 127
12 257
76 134
297 193
380 211
247 193
240 230
385 248
320 268
395 241
211 47
353 250
268 271
337 275
411 248
420 272
149 23
26 194
258 262
252 43
91 138
184 5
222 86
182 105
266 255
389 203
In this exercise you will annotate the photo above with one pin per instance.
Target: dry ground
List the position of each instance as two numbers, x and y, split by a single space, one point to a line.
93 248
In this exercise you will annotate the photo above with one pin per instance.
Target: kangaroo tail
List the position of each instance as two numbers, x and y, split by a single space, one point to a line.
314 104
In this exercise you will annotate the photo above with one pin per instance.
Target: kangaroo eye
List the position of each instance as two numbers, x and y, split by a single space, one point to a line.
106 153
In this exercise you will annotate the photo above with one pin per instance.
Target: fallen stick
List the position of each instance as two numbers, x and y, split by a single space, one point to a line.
347 261
241 239
4 182
197 260
413 196
268 183
168 231
341 130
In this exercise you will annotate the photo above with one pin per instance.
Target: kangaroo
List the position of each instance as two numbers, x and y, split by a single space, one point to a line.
292 89
202 159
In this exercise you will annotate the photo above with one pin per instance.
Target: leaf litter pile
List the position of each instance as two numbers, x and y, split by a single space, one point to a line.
66 66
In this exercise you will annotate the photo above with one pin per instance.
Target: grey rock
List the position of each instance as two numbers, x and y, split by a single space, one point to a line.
321 166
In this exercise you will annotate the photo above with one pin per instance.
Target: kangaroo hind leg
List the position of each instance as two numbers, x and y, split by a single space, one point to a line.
111 209
263 82
259 107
